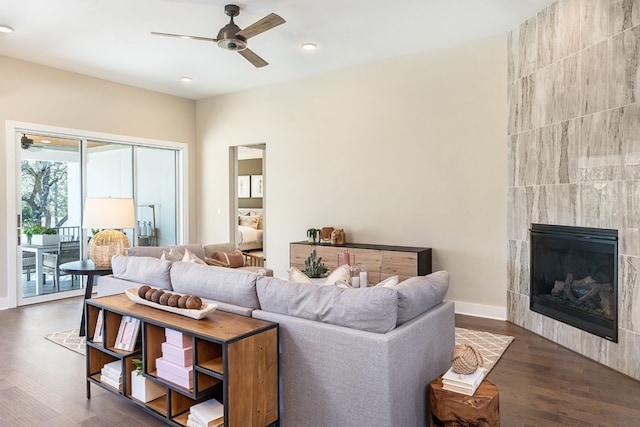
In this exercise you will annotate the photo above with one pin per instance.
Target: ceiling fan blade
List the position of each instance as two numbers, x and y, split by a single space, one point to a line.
252 57
262 25
184 36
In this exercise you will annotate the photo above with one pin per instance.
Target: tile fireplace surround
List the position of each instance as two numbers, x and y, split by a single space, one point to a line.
574 154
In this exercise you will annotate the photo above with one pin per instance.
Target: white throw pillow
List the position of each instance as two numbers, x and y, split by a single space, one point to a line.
389 282
340 274
172 255
298 276
190 257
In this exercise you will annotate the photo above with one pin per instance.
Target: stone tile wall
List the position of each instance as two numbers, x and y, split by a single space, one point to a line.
574 153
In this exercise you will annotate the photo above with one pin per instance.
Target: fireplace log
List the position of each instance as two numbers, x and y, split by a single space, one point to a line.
584 291
563 289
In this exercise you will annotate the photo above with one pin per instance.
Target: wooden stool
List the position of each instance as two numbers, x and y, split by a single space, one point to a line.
449 408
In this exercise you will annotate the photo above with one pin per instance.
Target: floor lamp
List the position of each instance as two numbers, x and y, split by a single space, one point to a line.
108 214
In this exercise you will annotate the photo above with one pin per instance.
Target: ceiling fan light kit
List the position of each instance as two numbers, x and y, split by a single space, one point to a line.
231 37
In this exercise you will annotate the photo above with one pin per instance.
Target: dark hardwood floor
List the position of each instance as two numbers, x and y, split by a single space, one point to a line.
544 384
540 383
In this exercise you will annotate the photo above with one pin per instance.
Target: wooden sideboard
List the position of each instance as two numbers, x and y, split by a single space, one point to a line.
382 261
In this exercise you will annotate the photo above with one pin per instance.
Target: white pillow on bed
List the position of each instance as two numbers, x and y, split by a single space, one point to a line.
248 221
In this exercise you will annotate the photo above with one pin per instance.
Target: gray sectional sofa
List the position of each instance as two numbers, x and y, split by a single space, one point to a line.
348 357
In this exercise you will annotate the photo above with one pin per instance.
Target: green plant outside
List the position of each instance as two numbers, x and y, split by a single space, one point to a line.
38 229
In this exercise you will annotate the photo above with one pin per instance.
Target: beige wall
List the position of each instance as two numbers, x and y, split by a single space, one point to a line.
409 151
36 94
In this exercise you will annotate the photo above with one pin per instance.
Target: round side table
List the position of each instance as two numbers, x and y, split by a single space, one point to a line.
449 408
89 269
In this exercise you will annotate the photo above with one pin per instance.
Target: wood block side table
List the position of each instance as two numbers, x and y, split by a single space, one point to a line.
451 409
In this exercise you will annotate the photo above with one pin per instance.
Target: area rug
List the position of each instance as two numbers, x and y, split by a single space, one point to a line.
491 346
69 339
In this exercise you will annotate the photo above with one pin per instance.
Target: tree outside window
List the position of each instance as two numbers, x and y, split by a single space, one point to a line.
44 193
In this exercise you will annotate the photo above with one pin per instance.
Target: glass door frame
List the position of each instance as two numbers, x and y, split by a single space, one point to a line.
13 210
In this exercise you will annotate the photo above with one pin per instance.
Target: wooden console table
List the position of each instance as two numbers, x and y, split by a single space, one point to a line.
234 358
382 261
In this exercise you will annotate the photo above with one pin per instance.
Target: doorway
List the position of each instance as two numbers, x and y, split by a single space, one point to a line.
248 213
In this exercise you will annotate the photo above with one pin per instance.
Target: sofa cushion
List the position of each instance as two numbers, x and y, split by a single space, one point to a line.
217 283
420 293
156 251
370 309
148 270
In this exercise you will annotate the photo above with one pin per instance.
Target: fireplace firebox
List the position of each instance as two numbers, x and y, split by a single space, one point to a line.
574 277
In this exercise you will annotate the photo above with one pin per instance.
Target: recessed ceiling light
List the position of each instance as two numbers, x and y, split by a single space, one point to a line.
308 46
185 79
5 29
45 141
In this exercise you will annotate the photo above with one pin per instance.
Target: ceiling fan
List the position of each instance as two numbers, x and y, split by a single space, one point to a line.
231 37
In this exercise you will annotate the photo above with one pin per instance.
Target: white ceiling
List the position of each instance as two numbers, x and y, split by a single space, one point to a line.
110 39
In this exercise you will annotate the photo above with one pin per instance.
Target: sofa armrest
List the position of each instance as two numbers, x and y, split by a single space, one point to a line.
365 378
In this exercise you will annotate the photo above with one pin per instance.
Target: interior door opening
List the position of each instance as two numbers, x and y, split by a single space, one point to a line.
248 213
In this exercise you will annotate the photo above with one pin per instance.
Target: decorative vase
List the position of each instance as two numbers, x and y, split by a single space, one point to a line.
359 276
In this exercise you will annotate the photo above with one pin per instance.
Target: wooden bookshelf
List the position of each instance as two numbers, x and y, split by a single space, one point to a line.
235 360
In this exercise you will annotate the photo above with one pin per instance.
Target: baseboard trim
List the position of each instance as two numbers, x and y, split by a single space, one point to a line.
479 310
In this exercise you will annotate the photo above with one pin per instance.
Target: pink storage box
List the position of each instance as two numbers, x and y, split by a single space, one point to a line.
174 373
178 339
177 355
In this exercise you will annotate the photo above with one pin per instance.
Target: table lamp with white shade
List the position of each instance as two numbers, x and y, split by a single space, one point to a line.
109 214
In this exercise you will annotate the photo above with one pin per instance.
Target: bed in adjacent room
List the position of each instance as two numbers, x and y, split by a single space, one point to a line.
250 232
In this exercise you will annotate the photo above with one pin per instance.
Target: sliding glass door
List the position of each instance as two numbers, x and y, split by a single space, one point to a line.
51 199
57 174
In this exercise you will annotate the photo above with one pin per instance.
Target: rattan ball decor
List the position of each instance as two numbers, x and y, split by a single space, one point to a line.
465 359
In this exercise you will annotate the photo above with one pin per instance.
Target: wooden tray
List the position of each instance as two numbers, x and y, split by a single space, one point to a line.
204 311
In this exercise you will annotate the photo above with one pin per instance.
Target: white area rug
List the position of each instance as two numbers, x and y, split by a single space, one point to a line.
491 346
69 339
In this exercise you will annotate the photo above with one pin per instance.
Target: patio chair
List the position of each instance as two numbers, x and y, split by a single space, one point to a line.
67 251
28 263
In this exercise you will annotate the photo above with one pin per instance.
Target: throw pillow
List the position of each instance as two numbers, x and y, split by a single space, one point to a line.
295 275
420 293
249 221
340 274
233 259
190 257
389 282
171 255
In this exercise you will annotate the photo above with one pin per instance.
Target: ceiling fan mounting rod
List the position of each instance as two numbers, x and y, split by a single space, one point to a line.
232 10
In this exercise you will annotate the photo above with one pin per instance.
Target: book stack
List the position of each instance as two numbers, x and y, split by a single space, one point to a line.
127 333
465 384
111 374
206 414
176 363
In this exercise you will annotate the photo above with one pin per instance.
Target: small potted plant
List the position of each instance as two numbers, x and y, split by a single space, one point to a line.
314 267
142 388
39 235
314 235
